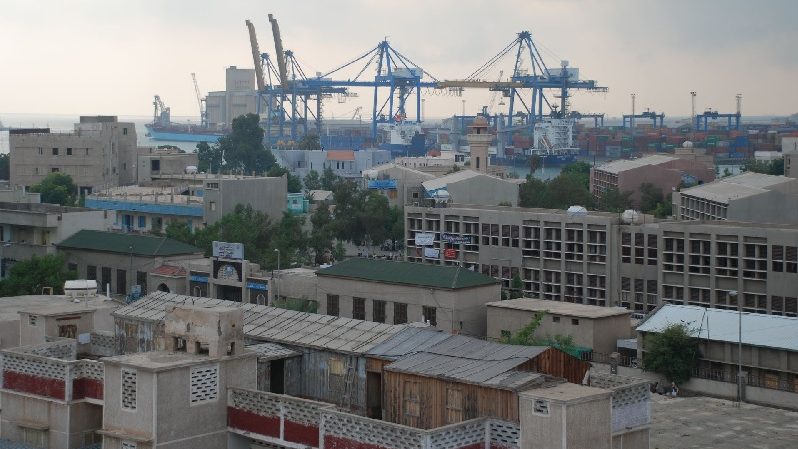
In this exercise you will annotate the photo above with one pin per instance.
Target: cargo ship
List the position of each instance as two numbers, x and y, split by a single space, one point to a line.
552 145
403 138
162 127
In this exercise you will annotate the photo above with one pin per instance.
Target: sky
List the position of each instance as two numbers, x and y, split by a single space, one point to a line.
111 57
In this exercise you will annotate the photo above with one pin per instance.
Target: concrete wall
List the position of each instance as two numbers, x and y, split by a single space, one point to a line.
569 424
459 311
9 332
484 190
267 195
170 164
765 208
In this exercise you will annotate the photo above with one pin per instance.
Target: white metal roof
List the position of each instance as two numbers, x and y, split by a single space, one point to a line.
462 175
738 186
769 331
276 325
623 165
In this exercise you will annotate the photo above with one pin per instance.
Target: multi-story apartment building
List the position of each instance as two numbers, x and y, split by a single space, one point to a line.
664 172
750 197
100 153
597 259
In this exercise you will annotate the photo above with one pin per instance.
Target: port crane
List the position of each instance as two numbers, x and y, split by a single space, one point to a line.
524 86
629 119
161 114
701 120
597 117
200 102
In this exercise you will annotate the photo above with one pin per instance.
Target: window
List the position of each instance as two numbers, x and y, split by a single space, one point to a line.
429 314
141 281
41 150
399 313
55 151
212 185
332 305
555 319
575 321
204 384
378 312
121 281
72 267
541 407
142 221
124 131
54 170
68 331
359 308
32 320
127 445
454 405
128 389
35 170
411 399
212 205
69 151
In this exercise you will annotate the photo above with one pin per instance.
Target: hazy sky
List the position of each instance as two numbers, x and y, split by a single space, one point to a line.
110 57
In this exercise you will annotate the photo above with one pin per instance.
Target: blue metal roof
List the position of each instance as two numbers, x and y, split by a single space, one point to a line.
769 331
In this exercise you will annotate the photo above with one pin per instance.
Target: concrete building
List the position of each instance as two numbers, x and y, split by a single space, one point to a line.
769 349
400 184
472 187
479 139
112 258
789 149
596 259
451 299
664 172
100 153
194 199
31 229
153 162
177 398
592 328
750 197
344 163
240 97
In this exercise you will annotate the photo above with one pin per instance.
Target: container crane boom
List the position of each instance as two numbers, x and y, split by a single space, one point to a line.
253 43
203 115
278 48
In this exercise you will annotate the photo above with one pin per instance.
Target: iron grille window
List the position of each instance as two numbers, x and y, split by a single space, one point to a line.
430 315
359 308
378 311
91 272
399 313
121 281
332 305
128 389
204 384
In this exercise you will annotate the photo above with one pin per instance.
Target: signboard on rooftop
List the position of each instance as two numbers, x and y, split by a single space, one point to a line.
224 250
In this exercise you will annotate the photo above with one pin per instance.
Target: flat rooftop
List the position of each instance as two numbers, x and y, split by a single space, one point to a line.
560 308
39 208
624 165
10 306
160 195
738 186
566 392
160 360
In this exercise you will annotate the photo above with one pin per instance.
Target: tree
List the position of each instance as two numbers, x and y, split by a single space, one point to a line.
672 353
568 189
650 197
5 166
312 180
533 193
310 142
321 236
294 183
615 201
329 179
27 277
526 337
243 148
516 287
209 158
171 147
179 230
775 167
57 188
663 210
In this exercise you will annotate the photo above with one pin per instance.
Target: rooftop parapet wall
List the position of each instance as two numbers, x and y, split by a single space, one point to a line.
289 421
630 400
40 370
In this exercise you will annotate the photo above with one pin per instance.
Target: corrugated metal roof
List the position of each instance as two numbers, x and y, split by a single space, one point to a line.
738 186
467 359
623 165
272 351
769 331
443 181
277 325
408 341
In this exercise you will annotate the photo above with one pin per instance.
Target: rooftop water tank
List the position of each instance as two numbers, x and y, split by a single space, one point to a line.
630 217
577 211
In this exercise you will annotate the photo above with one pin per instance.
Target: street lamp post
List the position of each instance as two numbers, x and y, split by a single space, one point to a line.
733 294
276 250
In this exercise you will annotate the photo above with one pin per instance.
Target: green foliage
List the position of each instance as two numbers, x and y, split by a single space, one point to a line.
615 201
329 179
578 168
505 203
297 304
533 193
171 147
338 252
243 148
312 180
775 167
570 188
209 158
526 337
310 142
663 210
294 183
516 287
321 235
672 353
57 188
27 277
650 197
5 166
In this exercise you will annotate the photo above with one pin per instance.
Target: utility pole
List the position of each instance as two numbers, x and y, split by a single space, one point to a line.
692 111
733 294
130 248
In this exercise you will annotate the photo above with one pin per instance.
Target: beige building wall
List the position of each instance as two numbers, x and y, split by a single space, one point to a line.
267 195
457 311
61 426
153 164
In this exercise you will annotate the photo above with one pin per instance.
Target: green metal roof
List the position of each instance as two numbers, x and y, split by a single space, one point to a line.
435 276
115 242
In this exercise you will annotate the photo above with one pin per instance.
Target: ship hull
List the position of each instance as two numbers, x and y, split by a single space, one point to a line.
178 134
549 160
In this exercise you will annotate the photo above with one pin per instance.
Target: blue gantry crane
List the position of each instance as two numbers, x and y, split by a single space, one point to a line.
527 86
657 120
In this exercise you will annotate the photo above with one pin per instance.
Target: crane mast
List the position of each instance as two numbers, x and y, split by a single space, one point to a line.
253 43
278 48
203 113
